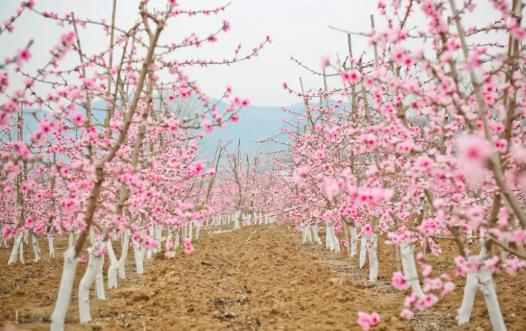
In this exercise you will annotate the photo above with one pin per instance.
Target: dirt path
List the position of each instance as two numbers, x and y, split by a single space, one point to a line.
258 278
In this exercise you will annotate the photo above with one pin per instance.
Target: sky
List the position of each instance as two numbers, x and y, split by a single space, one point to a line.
297 27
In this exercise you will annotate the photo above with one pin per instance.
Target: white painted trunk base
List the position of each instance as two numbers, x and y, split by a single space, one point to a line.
36 248
87 280
315 234
331 241
373 258
64 292
409 268
17 245
354 241
236 221
197 229
138 253
363 251
99 281
114 265
482 280
51 246
124 254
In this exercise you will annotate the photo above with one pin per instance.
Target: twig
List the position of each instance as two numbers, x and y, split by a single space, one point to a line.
250 236
283 308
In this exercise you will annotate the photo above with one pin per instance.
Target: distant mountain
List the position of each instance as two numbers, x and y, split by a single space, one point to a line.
257 123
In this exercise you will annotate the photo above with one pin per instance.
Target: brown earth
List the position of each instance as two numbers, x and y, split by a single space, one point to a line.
258 278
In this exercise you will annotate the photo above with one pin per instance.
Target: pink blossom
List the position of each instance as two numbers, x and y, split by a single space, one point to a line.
447 287
427 301
78 118
351 77
188 248
89 84
513 266
366 321
399 282
407 314
331 187
197 168
325 62
24 55
473 148
368 229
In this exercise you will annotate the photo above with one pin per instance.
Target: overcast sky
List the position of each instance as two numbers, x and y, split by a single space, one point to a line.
297 27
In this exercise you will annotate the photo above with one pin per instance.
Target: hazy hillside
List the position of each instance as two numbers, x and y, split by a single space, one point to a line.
257 123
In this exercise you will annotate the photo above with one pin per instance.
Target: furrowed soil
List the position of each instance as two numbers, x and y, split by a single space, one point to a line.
257 278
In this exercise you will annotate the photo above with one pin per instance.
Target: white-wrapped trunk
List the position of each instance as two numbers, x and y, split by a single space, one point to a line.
51 246
114 265
99 281
487 286
354 241
138 253
149 252
409 268
21 252
190 230
347 233
124 254
36 248
158 237
363 251
177 240
373 258
335 241
328 237
482 280
308 233
197 229
64 292
236 220
168 239
87 280
331 241
16 247
315 234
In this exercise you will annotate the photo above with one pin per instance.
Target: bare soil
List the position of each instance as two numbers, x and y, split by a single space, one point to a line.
257 278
